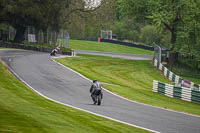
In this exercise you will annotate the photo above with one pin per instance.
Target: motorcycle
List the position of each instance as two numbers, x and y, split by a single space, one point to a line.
54 51
97 96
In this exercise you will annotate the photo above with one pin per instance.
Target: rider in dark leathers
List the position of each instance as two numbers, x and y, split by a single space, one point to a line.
95 89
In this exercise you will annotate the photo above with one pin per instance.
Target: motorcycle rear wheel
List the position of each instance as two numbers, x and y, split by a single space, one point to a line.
99 100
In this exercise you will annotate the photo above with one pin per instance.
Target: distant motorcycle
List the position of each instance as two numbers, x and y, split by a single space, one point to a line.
54 51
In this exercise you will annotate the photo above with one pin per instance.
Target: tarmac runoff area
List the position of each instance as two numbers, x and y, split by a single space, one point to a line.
62 85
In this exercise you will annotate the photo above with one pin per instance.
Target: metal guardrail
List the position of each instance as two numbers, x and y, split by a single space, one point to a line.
183 93
146 47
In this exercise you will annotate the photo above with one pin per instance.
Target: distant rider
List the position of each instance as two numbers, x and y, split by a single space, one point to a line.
95 89
54 51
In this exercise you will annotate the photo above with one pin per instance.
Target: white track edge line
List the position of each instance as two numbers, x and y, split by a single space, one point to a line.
124 97
15 74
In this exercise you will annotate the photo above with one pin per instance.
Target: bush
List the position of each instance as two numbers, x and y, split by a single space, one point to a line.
150 35
118 29
133 35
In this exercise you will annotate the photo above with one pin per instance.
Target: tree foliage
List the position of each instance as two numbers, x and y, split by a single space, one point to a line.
41 14
173 15
89 24
150 35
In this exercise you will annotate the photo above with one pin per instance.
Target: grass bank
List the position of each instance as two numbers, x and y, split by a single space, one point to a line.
106 47
134 80
21 110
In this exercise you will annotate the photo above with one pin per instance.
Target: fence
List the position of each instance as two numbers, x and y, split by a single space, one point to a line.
175 78
7 34
37 36
183 93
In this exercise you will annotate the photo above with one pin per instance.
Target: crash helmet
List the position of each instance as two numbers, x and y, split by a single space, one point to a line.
94 81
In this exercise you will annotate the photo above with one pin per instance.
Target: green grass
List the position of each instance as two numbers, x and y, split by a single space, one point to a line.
106 47
23 111
134 80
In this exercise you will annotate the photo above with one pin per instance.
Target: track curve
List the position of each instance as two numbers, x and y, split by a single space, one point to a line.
63 85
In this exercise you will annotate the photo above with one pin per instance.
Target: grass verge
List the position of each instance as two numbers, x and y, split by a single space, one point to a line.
21 110
106 47
134 79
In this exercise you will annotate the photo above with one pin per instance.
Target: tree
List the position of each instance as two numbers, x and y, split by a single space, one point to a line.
176 16
89 23
164 14
149 35
41 14
19 16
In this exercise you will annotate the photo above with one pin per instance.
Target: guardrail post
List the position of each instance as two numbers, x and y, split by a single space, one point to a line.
155 86
73 52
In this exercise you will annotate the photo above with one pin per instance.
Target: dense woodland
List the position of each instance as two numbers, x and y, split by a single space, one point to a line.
172 24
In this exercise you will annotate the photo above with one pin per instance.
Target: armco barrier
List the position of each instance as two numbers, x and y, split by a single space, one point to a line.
173 77
183 93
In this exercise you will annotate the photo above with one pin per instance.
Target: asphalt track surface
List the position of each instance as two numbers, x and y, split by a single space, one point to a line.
125 56
63 85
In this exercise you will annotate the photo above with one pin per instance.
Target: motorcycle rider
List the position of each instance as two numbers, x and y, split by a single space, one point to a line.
54 51
95 88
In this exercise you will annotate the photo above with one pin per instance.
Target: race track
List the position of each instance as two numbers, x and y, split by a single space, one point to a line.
63 85
125 56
